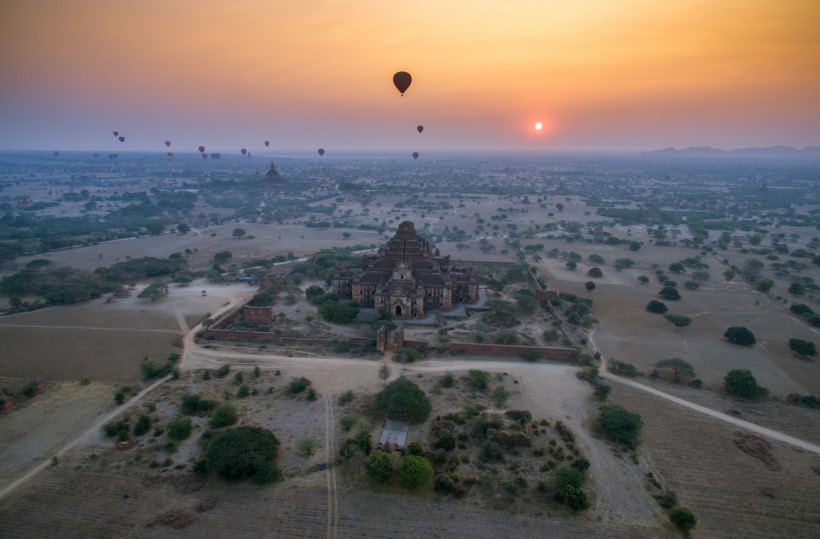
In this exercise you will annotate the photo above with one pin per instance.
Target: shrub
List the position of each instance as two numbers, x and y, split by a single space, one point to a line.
620 425
223 416
119 428
595 272
347 422
622 368
602 391
179 428
194 404
740 335
142 426
678 321
657 307
344 346
242 452
415 472
801 309
448 380
409 355
803 348
403 398
669 293
565 476
683 518
500 396
306 447
741 382
297 385
379 467
477 380
575 498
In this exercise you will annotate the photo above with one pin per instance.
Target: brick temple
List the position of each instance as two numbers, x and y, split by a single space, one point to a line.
406 278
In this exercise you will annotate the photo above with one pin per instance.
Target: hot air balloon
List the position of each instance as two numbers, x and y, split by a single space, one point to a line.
204 155
420 128
116 133
244 151
321 152
169 154
267 143
402 80
202 149
122 139
56 153
168 143
415 155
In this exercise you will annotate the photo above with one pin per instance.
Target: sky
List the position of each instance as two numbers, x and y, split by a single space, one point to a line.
600 75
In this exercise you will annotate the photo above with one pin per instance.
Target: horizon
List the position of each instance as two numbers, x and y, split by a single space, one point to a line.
602 78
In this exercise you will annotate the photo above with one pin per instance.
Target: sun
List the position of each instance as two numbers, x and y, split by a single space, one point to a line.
539 126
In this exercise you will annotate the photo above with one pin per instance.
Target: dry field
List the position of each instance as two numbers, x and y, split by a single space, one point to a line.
733 493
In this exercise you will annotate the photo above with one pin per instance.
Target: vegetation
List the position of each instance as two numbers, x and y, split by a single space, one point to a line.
678 321
669 293
740 335
194 404
242 452
741 382
297 385
179 428
803 348
657 307
403 399
223 416
415 472
683 519
477 380
620 425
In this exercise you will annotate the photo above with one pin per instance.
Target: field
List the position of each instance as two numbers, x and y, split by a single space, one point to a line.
542 213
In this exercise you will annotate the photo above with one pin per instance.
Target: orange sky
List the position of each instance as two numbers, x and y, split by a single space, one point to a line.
601 74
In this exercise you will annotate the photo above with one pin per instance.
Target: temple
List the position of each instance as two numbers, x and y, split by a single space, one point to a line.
406 278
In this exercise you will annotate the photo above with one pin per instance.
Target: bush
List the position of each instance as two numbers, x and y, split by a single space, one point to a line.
531 356
622 368
575 498
142 426
620 425
306 447
741 382
595 272
669 293
448 380
477 380
223 416
120 429
678 321
500 396
179 428
242 452
683 518
602 391
409 355
801 309
194 404
563 477
803 348
404 399
657 307
379 467
297 385
740 335
415 472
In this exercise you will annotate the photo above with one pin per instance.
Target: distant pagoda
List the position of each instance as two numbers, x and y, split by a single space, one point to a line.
273 177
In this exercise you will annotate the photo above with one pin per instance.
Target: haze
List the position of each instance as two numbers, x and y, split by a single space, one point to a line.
628 75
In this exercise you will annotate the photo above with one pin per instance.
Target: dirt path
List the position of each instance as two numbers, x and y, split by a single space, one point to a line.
773 434
330 456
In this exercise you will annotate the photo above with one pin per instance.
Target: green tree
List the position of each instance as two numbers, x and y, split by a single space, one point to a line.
741 382
379 467
142 425
415 472
314 293
669 293
242 452
154 291
500 396
477 380
222 256
676 267
657 307
803 348
403 399
589 285
595 272
620 425
740 335
729 275
339 312
764 285
797 289
683 519
238 233
183 228
575 498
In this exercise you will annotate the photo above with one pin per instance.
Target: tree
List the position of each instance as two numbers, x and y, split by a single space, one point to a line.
677 267
764 285
571 265
589 285
683 518
634 246
741 382
379 467
314 293
643 279
223 416
575 498
238 233
740 335
679 321
154 291
620 425
669 293
242 452
402 398
595 272
339 312
384 372
797 289
183 228
657 307
222 256
803 348
500 396
729 275
415 472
